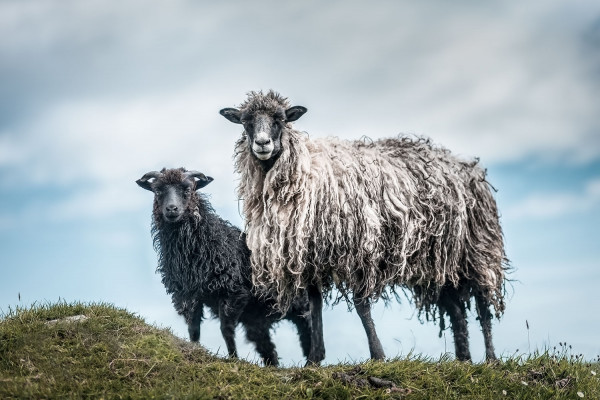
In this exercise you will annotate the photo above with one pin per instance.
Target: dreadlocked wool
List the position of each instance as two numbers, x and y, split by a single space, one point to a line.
204 260
369 215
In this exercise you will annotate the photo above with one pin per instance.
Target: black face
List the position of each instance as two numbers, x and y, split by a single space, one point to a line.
174 191
264 129
264 133
173 200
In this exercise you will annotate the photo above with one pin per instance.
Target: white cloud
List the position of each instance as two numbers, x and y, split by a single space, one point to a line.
127 91
11 151
93 151
554 205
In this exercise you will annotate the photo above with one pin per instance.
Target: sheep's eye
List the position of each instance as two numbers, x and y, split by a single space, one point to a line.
157 192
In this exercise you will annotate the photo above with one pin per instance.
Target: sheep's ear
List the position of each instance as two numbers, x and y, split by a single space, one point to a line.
201 182
145 183
200 179
293 113
232 114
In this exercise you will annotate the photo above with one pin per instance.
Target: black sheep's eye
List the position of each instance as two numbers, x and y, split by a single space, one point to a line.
158 192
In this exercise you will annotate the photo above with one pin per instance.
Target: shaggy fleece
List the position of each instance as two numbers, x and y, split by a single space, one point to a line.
366 216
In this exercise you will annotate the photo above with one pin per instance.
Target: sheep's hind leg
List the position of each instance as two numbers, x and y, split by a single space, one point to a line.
302 323
259 333
229 316
194 321
485 319
363 309
317 347
455 308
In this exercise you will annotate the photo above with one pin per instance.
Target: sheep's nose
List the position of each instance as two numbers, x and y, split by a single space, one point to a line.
262 140
171 208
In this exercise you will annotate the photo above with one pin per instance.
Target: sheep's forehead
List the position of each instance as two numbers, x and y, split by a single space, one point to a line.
174 177
271 103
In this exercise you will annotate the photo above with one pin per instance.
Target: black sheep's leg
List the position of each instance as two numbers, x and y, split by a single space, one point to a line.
485 319
302 323
299 315
363 309
451 303
194 321
258 332
229 315
317 347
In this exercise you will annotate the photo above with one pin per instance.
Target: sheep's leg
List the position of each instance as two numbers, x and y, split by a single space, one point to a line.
229 315
317 347
485 319
304 331
456 310
259 333
363 309
194 321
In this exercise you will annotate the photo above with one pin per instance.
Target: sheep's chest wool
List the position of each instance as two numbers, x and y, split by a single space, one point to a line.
196 262
374 214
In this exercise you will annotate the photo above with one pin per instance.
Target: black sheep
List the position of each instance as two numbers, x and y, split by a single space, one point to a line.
204 260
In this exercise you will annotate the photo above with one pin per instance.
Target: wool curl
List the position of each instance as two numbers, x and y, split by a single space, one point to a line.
366 216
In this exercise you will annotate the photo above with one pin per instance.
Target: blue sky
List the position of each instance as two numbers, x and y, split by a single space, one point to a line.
94 94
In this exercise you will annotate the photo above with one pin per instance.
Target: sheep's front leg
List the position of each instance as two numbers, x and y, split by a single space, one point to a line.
194 321
317 347
363 309
229 315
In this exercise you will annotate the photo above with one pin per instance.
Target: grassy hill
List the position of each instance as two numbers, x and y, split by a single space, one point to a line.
99 351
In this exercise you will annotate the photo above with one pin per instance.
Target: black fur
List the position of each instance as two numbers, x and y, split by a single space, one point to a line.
204 261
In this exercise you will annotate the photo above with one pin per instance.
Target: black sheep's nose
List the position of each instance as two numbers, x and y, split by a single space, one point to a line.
171 208
262 141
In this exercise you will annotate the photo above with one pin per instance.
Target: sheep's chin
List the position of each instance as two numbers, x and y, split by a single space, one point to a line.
263 156
172 218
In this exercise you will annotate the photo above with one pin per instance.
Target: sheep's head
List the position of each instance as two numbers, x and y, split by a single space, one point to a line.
173 191
264 117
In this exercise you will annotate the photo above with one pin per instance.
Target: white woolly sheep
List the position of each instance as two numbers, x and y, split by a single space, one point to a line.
365 217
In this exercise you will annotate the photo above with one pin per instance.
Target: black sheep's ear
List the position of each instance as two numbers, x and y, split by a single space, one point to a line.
201 180
232 114
293 113
145 183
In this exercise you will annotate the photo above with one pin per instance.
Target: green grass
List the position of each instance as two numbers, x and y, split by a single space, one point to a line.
114 354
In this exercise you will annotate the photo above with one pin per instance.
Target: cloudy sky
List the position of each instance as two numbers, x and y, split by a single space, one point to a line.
94 94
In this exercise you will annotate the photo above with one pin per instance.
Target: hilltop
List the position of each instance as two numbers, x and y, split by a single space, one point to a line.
101 351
